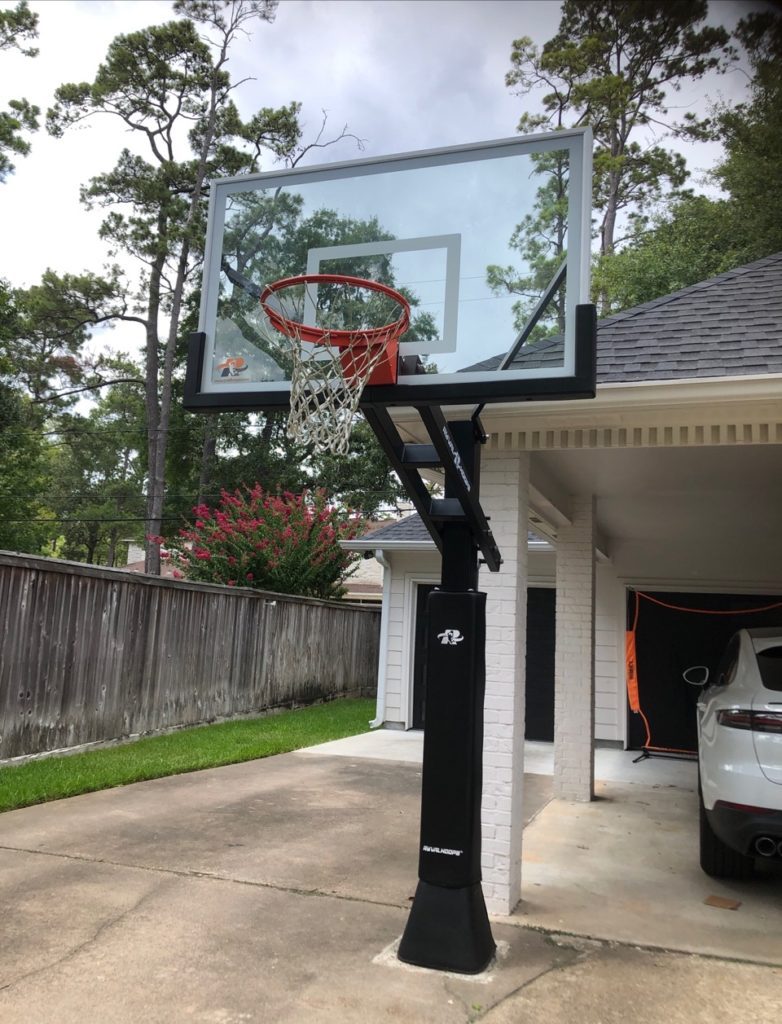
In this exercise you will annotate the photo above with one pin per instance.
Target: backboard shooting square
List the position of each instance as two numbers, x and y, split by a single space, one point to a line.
471 236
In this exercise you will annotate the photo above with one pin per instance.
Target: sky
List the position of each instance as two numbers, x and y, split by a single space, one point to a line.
400 74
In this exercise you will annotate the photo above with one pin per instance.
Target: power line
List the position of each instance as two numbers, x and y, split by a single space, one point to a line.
130 519
100 496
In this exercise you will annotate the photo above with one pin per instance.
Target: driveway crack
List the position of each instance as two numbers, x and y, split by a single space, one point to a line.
71 954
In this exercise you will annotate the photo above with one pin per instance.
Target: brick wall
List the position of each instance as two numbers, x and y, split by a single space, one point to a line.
574 669
504 496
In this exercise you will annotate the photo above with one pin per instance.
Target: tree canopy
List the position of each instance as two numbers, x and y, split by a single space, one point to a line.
697 237
76 479
611 65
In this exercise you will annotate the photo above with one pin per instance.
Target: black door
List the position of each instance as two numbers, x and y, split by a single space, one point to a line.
540 661
541 613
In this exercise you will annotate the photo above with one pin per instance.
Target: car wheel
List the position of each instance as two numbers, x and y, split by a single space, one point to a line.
717 859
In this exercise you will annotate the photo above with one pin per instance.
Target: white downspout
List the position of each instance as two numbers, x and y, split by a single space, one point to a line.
382 668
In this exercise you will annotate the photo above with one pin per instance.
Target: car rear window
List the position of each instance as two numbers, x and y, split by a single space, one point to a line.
770 664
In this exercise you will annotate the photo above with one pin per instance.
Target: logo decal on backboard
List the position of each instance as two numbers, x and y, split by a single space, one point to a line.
232 366
451 637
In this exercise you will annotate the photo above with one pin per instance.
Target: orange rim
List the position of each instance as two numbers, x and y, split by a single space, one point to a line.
342 339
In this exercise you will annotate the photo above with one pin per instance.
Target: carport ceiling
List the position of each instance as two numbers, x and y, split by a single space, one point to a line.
691 512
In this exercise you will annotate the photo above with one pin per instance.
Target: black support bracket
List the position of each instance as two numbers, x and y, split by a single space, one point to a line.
462 504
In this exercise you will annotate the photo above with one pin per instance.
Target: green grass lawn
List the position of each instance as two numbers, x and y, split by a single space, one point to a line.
206 746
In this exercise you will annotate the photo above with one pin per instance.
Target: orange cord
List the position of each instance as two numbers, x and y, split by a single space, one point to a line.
706 611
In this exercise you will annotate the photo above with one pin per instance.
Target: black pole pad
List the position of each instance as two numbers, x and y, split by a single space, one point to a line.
448 928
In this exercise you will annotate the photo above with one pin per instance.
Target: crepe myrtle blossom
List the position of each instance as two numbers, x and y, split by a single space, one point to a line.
284 542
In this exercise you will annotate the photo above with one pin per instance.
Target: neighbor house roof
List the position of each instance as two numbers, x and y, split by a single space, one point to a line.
730 325
408 533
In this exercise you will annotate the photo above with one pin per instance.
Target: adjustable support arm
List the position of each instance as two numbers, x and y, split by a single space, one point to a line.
461 505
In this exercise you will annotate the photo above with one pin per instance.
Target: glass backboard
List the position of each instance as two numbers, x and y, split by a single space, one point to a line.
472 236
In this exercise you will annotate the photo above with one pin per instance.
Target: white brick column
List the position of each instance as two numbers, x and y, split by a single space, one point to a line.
574 662
504 497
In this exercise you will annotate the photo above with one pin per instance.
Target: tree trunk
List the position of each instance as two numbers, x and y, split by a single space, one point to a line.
157 493
111 554
155 478
208 453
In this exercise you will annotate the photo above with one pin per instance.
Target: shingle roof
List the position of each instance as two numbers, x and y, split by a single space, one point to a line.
407 529
411 528
730 325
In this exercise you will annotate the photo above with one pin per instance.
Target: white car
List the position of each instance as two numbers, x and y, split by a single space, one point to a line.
740 754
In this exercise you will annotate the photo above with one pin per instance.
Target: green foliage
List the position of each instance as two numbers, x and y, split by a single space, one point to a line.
22 474
97 476
18 26
186 750
285 543
361 479
752 135
540 240
218 12
45 328
608 66
169 84
20 117
698 238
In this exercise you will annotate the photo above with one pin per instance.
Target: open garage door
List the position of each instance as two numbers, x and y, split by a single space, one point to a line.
673 632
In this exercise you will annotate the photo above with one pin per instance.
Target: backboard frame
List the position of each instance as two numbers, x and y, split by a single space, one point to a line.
575 378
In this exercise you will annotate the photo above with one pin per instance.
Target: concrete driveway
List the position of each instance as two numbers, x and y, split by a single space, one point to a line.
275 890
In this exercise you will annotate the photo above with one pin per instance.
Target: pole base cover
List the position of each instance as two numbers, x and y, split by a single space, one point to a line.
448 930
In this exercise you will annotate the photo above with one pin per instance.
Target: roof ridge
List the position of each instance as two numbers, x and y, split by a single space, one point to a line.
664 300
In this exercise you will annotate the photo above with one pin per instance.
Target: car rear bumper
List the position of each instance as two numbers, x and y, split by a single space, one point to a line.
740 828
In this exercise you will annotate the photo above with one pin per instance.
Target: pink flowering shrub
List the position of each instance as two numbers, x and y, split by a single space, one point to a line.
283 542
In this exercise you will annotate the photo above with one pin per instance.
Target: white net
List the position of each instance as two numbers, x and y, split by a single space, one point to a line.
328 376
324 398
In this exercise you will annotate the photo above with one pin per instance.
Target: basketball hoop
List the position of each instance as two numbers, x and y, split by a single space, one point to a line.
332 362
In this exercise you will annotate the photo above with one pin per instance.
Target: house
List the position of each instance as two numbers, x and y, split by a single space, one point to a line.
136 561
655 506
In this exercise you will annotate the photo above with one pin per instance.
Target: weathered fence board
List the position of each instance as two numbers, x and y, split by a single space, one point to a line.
91 654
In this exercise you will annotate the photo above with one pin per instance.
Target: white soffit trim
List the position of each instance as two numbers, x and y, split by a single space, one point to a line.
667 414
637 395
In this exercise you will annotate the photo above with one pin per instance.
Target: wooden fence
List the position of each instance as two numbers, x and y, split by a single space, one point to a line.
89 654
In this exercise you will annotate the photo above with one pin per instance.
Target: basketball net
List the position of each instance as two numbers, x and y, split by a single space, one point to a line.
330 366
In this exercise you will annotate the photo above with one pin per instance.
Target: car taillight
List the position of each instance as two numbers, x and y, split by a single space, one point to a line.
744 808
755 721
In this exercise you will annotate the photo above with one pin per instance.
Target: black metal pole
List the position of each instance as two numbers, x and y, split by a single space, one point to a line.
448 927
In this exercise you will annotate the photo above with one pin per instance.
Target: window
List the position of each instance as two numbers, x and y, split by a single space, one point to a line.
726 670
770 664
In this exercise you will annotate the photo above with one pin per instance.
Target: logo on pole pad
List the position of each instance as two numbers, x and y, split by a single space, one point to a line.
451 637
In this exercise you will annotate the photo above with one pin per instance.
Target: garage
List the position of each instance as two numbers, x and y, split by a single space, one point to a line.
674 632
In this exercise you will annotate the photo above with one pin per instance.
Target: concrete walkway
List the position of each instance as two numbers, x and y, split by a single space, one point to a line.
275 891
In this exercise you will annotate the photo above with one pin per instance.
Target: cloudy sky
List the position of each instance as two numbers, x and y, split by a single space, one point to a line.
401 74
